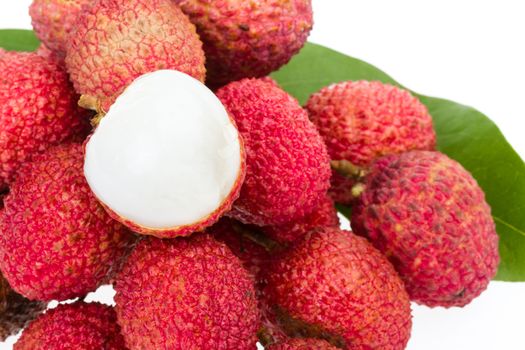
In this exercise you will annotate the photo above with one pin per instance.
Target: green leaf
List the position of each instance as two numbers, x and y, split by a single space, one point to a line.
463 133
18 40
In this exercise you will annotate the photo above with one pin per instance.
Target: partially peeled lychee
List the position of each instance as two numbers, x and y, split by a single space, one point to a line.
167 159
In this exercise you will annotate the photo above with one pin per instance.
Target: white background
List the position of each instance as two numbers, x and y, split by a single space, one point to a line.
468 51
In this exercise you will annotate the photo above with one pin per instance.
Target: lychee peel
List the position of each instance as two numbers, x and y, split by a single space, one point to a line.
324 215
335 285
303 344
429 216
38 109
53 20
116 41
15 310
361 121
57 242
186 293
170 170
288 167
79 326
248 39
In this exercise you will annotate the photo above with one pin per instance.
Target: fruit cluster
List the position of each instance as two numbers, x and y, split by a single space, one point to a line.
211 209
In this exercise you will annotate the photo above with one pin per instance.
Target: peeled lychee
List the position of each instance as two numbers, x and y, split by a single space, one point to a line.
361 121
57 242
288 168
79 326
336 286
116 41
38 109
53 20
427 214
248 39
303 344
167 159
15 310
186 293
324 215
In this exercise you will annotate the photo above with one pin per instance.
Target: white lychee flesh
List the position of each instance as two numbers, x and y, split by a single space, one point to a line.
166 154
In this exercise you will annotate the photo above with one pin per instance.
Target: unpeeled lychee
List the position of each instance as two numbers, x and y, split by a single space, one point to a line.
337 286
57 241
15 310
324 215
38 109
428 215
186 293
248 39
79 326
361 121
288 167
303 344
116 41
53 20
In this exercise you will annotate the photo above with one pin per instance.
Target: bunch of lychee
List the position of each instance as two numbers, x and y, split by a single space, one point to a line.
211 208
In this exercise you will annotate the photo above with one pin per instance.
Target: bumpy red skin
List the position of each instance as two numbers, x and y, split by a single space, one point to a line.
429 216
38 109
361 121
343 287
324 215
288 167
78 326
186 293
303 344
116 41
53 20
248 39
202 224
57 242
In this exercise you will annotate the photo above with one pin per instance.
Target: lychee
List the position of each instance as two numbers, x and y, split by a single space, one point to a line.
248 39
53 20
38 109
186 293
335 285
57 242
303 344
361 121
116 41
79 326
324 215
167 159
15 310
288 168
428 215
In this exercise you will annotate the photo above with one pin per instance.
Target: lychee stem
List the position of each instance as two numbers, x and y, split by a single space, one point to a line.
348 169
93 104
256 237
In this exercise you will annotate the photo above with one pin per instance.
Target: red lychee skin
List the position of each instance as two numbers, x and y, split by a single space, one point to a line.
252 255
343 289
248 39
57 242
325 215
361 121
426 213
79 326
303 344
53 20
288 168
38 109
186 293
116 41
198 226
